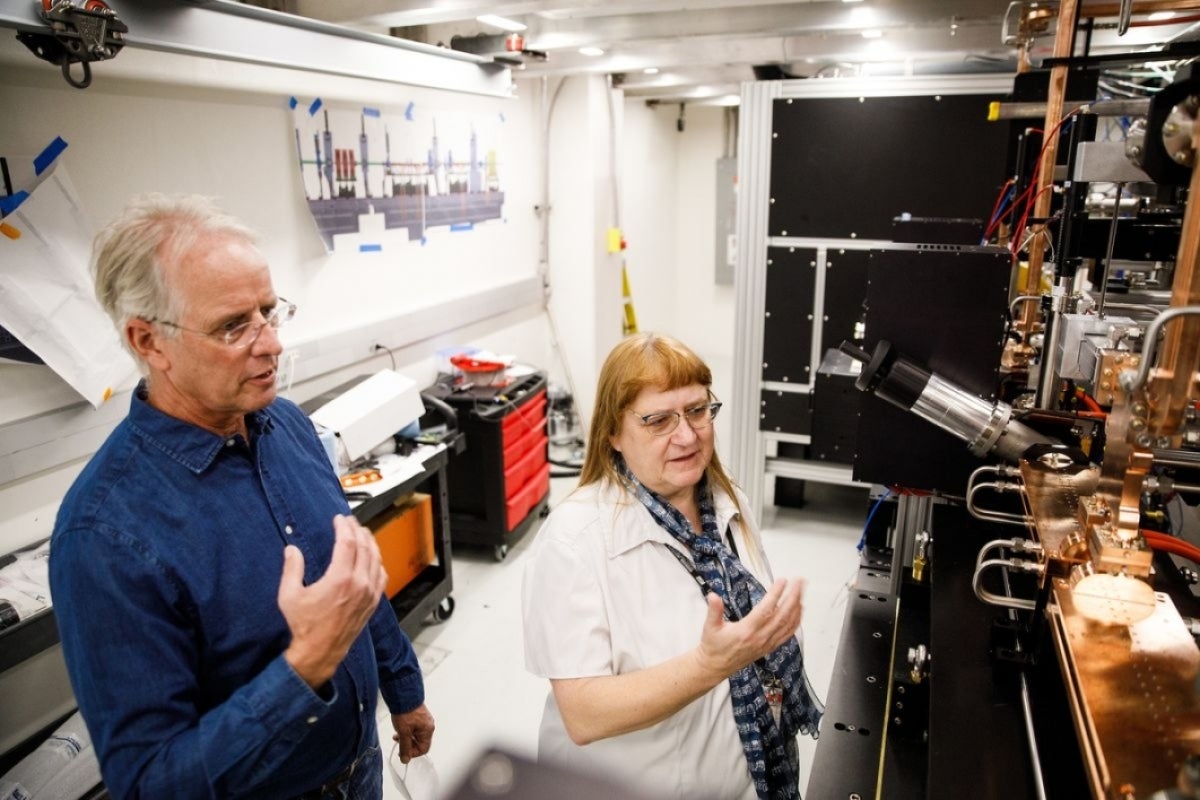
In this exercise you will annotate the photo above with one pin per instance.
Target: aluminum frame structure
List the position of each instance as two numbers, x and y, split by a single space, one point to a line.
752 459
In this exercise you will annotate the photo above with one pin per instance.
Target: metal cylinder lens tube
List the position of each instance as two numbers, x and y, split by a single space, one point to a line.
988 428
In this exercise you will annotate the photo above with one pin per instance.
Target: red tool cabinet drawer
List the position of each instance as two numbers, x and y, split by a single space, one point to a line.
520 504
516 450
529 416
525 467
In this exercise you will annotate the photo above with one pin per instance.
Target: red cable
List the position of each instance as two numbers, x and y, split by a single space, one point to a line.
999 199
1170 544
1016 240
1019 231
1007 213
1089 401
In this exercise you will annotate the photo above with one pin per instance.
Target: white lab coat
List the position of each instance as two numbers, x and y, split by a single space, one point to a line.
602 596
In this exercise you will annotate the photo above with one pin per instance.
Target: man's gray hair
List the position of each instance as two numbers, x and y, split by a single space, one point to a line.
129 254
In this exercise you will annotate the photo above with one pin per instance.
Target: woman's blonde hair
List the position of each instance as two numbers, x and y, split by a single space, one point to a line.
644 360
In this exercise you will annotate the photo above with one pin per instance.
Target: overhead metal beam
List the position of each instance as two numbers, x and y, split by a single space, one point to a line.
405 13
815 50
231 31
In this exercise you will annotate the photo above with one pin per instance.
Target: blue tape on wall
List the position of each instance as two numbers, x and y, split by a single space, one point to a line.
370 248
371 112
408 111
463 226
12 202
315 107
292 103
47 156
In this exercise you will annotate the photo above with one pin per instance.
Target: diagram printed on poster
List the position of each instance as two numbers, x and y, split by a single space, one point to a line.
376 180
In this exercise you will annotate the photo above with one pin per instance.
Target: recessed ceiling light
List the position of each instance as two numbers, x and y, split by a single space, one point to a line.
591 51
650 71
872 33
503 23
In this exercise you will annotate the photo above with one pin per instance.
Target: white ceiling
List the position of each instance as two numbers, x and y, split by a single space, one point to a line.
702 49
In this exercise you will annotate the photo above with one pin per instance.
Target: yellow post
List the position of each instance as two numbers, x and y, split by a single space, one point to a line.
630 324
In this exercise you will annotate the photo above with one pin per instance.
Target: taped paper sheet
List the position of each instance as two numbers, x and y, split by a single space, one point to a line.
46 296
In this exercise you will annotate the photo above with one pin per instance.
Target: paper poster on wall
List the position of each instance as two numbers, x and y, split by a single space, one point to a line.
376 179
46 297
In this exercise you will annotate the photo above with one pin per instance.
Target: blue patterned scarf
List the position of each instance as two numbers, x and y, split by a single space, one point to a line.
770 749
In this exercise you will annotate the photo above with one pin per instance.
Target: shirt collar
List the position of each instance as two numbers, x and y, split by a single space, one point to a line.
634 525
188 444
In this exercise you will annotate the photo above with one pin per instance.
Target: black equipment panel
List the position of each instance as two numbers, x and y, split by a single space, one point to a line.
788 327
846 167
785 412
852 733
1136 240
845 295
836 403
945 309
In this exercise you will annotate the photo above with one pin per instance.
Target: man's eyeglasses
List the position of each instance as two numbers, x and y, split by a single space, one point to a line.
661 423
240 335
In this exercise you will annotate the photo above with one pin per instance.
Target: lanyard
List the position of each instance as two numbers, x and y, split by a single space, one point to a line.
705 586
772 686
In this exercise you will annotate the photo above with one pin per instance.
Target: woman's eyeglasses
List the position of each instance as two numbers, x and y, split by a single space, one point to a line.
240 335
661 423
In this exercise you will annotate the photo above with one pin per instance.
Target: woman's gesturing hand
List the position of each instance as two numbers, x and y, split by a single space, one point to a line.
725 647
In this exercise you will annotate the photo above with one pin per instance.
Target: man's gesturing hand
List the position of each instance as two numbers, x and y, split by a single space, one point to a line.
326 617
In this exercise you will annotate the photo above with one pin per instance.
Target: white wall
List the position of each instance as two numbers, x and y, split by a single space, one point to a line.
650 159
154 121
669 212
173 123
586 279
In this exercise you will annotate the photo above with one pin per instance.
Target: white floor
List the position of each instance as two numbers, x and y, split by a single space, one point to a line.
475 682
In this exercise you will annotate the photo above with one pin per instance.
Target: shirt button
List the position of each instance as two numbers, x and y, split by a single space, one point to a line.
311 720
287 529
230 442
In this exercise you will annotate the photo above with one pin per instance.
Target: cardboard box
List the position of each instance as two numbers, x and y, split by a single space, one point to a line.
404 534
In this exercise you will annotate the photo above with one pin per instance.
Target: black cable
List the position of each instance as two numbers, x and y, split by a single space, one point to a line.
391 355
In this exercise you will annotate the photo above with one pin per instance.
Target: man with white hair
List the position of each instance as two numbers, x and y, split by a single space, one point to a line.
221 612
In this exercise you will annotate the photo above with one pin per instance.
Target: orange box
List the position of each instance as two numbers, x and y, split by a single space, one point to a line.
404 534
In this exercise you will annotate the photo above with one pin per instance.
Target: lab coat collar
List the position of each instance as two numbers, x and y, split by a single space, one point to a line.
633 524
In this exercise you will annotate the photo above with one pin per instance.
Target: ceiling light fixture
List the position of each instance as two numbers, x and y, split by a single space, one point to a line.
590 50
650 71
852 1
872 33
503 23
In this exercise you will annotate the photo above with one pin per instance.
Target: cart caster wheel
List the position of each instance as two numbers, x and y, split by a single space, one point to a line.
444 609
500 552
545 512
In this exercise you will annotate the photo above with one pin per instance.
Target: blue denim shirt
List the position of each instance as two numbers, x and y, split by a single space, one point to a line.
164 568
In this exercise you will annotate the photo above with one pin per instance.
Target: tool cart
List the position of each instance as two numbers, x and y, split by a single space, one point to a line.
499 486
